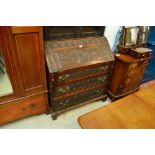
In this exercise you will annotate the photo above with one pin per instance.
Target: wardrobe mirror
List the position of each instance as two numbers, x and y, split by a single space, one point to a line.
5 83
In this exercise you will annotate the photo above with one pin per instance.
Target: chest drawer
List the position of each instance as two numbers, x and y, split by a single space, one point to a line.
140 52
61 90
75 75
129 88
77 99
133 73
131 79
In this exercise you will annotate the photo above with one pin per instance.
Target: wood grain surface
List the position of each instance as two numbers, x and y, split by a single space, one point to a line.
136 111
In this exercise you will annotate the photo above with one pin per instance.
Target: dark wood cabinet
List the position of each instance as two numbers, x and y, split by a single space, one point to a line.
24 56
78 71
127 74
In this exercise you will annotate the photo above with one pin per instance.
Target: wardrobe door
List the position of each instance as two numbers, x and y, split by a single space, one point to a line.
9 88
22 62
28 45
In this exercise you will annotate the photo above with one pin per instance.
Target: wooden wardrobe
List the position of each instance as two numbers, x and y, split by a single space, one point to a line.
23 52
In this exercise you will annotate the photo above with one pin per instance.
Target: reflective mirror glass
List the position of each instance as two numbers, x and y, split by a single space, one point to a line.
131 36
144 33
5 84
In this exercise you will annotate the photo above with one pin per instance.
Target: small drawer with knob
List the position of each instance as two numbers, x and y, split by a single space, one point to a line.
140 53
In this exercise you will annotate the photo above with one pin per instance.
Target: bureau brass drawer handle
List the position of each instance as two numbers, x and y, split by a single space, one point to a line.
67 75
104 67
64 77
64 103
67 88
102 78
98 91
64 89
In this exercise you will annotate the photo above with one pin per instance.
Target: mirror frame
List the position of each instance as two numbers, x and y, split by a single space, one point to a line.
122 40
7 49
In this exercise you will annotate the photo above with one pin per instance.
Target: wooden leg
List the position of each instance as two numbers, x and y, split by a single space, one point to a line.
54 116
113 99
104 99
47 112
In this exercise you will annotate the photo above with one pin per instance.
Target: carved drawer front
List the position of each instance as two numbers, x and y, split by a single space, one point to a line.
129 88
134 76
77 99
144 63
138 65
133 65
81 73
81 84
130 81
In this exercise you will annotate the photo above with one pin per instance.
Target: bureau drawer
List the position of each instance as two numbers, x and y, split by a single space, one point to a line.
77 74
61 90
78 98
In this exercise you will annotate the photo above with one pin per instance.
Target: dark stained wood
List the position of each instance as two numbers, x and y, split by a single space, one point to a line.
132 112
72 80
82 73
80 91
24 54
53 113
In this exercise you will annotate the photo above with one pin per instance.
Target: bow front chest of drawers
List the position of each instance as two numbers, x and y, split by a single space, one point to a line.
78 72
127 75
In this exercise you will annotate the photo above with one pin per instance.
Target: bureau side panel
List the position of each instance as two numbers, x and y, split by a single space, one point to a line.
116 76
